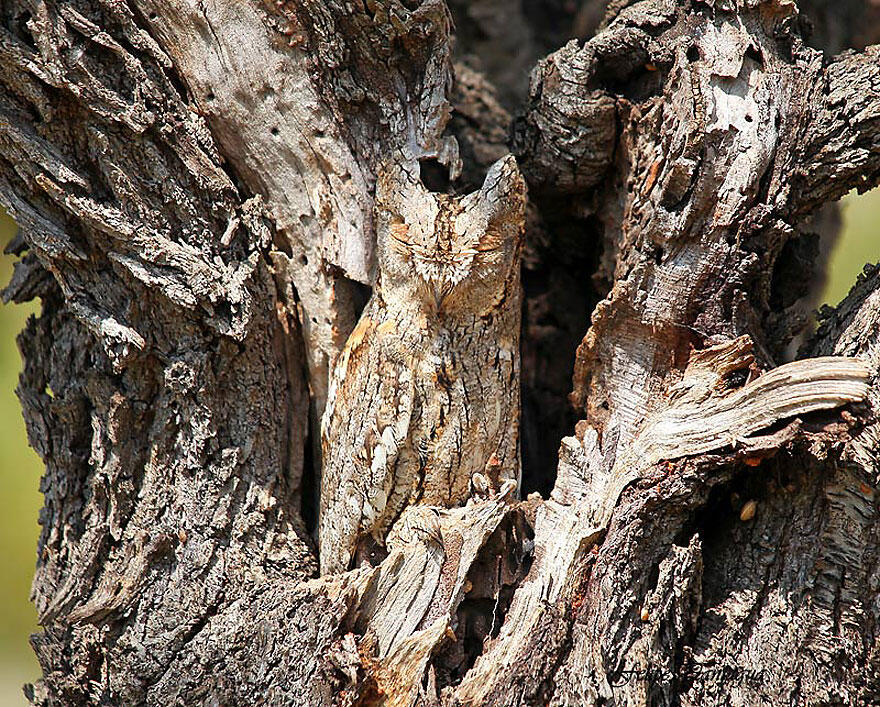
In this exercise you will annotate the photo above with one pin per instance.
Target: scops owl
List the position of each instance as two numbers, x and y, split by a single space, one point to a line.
425 393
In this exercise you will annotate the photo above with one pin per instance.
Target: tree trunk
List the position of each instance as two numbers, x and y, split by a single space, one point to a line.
194 182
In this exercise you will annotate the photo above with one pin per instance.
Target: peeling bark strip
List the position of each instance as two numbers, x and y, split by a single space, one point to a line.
195 186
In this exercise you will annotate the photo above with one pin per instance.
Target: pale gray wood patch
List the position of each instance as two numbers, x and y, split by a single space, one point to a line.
196 185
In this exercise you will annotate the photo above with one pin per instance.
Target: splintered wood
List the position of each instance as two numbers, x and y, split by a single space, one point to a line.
701 415
195 185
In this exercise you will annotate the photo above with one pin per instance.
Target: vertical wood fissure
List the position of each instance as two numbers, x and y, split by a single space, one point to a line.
195 186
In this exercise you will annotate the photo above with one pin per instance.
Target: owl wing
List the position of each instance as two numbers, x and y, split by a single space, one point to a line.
365 424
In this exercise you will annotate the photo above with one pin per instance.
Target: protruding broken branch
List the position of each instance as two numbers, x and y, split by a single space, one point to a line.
840 149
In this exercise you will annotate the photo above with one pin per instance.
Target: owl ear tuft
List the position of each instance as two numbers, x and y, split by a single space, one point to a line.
504 189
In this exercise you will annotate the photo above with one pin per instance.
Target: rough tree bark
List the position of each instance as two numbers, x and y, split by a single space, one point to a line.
194 183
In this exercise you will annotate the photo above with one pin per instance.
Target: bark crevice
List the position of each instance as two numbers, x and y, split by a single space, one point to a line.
195 188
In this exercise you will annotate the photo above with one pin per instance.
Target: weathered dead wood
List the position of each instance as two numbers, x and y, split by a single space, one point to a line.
675 220
304 117
194 183
701 417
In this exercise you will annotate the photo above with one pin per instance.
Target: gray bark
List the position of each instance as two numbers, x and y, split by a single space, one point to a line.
194 182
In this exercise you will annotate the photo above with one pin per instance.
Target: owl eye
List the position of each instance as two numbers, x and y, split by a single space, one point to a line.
399 231
489 241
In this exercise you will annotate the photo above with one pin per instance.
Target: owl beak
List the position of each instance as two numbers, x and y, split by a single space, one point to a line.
438 290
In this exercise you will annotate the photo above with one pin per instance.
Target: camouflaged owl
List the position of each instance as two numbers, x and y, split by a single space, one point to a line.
425 393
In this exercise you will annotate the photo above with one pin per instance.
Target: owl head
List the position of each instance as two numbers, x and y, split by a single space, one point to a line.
451 254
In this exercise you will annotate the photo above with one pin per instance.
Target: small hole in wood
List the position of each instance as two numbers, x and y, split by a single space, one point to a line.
274 131
737 378
693 54
434 175
22 30
753 53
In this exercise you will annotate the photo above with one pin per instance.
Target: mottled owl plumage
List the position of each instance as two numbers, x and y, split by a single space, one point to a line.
426 391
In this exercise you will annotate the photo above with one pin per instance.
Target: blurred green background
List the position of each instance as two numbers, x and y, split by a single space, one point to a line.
20 467
20 470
